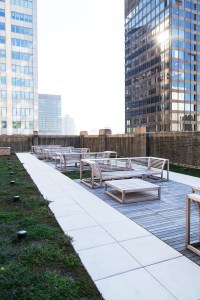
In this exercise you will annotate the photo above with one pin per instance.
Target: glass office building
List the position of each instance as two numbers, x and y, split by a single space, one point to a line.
18 67
162 65
50 121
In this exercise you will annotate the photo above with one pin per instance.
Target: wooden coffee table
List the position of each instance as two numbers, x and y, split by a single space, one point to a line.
132 190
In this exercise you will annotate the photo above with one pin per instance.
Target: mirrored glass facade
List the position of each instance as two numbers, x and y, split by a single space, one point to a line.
162 65
18 67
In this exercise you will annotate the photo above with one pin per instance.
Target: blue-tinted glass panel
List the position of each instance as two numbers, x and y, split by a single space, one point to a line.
2 39
22 43
2 12
3 94
2 67
3 80
21 17
23 3
2 26
21 30
2 53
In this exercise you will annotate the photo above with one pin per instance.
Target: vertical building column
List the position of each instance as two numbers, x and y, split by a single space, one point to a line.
147 144
35 66
8 66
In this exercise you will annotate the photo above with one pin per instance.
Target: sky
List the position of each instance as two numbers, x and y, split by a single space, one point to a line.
81 58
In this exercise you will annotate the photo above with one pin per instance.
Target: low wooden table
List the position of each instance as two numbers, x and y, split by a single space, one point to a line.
137 190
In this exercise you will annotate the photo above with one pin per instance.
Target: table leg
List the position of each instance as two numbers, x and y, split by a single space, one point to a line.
123 196
159 192
168 170
81 170
106 187
187 221
60 162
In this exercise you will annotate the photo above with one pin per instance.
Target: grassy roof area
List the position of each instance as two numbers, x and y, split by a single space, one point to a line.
43 265
185 170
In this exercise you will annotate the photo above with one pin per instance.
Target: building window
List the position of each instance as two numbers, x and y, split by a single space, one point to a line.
3 80
22 69
3 124
17 95
21 17
3 112
2 40
2 53
2 67
3 94
22 43
21 30
2 26
2 12
16 124
22 56
23 3
22 82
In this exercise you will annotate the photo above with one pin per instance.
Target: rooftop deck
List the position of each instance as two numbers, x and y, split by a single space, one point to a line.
164 218
125 260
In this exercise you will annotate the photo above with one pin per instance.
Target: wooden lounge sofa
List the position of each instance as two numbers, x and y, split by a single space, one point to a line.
154 168
117 168
75 157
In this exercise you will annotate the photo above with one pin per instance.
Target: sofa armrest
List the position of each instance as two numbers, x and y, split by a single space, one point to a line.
196 190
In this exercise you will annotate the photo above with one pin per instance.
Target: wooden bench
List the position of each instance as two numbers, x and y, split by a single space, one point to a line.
4 151
75 157
122 168
154 167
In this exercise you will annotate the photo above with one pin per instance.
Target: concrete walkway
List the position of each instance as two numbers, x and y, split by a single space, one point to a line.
185 179
124 260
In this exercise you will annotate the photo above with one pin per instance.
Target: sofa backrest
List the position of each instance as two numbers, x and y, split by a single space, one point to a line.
156 163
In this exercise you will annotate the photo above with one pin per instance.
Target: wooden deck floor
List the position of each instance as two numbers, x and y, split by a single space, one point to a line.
164 218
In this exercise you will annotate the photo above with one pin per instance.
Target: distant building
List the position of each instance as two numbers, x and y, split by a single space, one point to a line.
68 126
94 131
18 67
49 114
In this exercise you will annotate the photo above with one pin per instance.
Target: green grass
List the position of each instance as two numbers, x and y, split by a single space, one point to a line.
185 170
44 264
76 174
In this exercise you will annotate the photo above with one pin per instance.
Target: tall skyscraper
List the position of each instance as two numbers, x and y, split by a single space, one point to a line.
18 67
162 65
50 114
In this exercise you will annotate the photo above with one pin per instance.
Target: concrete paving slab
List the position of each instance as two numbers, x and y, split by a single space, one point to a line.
76 222
125 230
108 216
90 237
180 276
133 285
65 209
62 199
108 260
149 250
